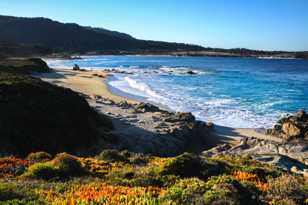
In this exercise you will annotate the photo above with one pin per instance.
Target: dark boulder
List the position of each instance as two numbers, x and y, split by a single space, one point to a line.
191 72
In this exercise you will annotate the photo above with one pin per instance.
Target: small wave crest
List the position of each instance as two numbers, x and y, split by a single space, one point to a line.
141 87
181 71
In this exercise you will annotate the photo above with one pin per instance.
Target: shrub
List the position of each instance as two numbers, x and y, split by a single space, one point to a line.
10 194
39 156
111 155
187 191
62 166
42 171
287 187
190 165
68 165
226 190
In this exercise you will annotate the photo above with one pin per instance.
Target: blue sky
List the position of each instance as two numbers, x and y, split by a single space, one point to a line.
256 24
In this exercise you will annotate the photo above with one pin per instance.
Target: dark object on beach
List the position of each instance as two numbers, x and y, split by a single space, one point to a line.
292 127
76 67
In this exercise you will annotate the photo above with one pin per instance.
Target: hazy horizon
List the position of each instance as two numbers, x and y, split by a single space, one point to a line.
259 25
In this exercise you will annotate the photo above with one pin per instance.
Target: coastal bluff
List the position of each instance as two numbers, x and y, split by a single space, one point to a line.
36 115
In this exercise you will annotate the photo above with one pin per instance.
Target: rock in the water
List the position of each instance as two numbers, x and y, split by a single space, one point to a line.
191 72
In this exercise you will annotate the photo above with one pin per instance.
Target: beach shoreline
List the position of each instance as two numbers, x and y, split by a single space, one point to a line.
94 83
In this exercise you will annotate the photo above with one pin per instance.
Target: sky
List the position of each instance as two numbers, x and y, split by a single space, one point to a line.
254 24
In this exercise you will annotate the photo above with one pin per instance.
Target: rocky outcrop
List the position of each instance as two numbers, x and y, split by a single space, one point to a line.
292 127
146 107
284 155
146 128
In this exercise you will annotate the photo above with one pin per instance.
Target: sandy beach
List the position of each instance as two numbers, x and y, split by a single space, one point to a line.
93 85
90 83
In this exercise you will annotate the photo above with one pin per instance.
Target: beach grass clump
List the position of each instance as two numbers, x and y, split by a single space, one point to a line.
43 171
112 155
62 166
135 158
191 165
39 156
249 165
186 191
227 190
11 194
68 165
287 187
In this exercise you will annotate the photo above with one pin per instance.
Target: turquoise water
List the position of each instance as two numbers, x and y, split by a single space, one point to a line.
236 92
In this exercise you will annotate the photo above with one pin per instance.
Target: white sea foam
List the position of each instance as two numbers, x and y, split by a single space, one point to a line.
153 84
221 111
68 64
142 87
180 70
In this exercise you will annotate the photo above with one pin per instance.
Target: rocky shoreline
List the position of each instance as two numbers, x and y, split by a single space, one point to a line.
124 163
145 128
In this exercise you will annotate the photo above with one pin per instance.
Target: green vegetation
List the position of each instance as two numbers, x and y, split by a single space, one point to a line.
190 165
67 179
36 115
11 194
23 66
62 166
39 156
111 156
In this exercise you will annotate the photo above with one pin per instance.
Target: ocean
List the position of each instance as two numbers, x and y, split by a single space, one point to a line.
234 92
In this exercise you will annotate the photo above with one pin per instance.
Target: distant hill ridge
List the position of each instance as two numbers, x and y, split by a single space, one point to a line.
38 36
73 37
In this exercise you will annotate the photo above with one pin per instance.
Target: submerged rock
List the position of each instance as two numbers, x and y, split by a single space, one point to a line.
191 72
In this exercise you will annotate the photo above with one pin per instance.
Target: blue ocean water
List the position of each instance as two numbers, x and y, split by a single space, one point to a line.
236 92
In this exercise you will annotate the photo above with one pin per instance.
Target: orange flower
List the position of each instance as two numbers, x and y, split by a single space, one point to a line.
250 177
